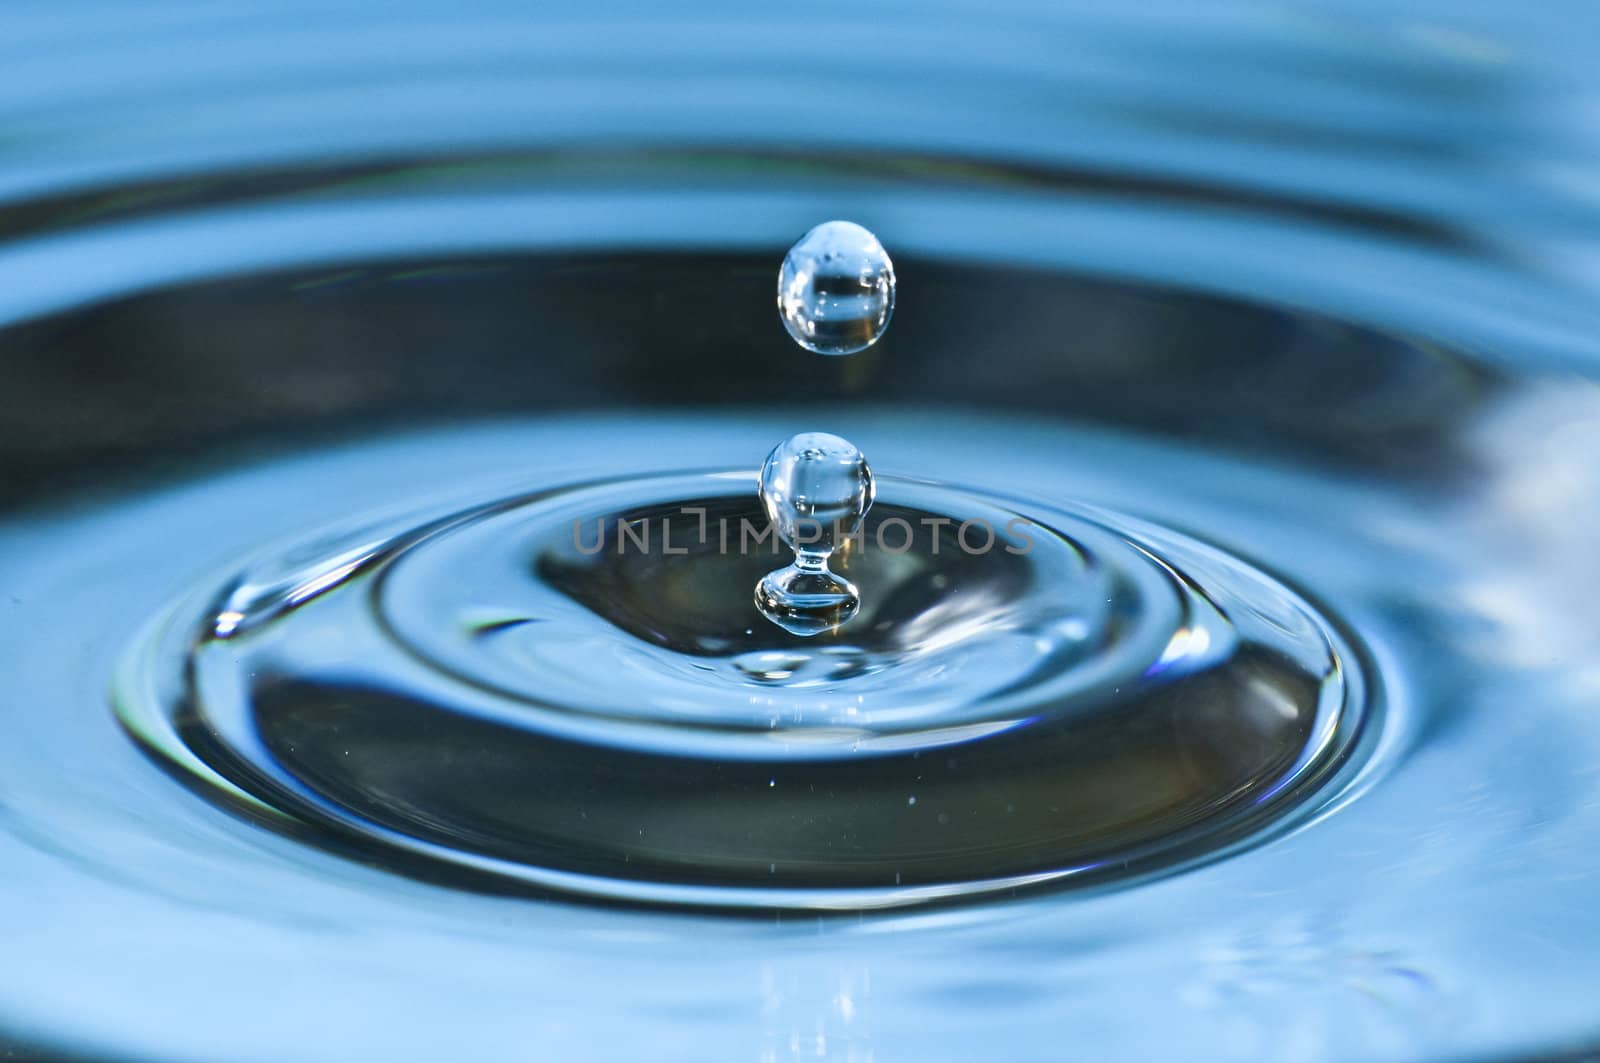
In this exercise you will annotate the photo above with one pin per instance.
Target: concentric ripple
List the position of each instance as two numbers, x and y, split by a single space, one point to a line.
570 689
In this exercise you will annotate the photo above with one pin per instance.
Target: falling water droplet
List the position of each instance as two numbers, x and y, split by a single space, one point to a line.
816 489
836 289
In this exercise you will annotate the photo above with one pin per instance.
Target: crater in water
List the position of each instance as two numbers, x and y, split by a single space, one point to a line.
570 688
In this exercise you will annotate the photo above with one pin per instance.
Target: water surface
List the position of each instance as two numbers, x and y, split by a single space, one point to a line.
1316 289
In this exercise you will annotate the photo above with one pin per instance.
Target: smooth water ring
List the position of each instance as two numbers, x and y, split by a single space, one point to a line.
410 699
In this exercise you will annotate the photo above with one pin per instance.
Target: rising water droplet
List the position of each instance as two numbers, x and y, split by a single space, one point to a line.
836 289
816 489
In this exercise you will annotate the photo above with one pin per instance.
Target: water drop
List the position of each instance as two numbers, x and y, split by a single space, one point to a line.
836 289
816 489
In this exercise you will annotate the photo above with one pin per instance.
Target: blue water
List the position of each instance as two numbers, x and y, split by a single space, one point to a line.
1316 286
